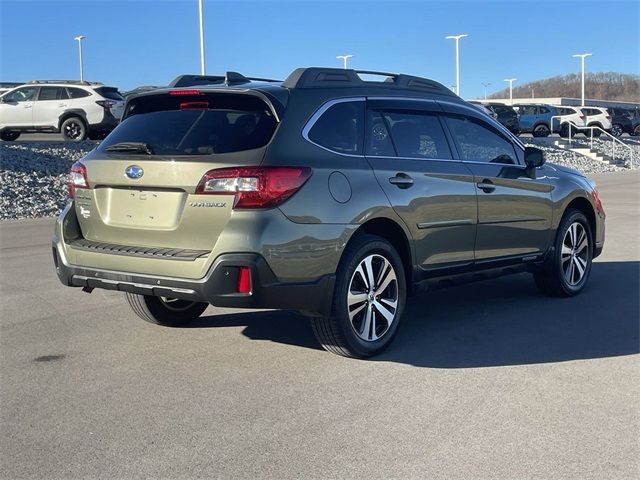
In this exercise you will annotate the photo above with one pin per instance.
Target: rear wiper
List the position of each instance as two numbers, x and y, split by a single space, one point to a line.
138 147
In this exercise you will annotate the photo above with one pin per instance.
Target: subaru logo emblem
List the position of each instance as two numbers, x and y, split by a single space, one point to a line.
134 172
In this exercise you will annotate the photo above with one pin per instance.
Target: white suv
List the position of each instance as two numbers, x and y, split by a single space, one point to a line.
596 117
76 109
567 115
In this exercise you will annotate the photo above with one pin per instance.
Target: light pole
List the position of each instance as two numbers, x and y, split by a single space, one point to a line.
345 59
510 80
582 56
485 85
203 69
457 39
79 38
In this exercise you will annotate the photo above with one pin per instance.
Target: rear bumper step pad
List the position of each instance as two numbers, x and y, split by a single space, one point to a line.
153 252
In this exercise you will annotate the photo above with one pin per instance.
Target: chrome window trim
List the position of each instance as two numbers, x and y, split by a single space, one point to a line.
319 112
420 159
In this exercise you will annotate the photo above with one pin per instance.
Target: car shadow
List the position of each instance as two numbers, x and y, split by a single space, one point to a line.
498 322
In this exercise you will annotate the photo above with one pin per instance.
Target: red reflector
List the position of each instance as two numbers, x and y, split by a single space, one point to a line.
194 105
597 201
244 280
185 92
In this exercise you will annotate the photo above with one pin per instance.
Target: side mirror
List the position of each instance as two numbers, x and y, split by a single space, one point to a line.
533 157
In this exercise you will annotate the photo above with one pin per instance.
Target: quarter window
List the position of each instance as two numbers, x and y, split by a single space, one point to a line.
478 143
77 93
340 128
417 135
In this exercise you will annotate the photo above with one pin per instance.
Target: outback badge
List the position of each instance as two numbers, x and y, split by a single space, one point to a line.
134 172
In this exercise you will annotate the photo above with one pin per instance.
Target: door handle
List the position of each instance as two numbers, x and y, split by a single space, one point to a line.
401 180
28 106
486 186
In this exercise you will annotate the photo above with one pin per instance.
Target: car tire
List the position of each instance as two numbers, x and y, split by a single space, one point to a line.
564 130
566 270
73 129
541 131
9 135
165 311
617 130
636 131
363 320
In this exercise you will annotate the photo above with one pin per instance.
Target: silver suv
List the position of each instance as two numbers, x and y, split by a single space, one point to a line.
76 109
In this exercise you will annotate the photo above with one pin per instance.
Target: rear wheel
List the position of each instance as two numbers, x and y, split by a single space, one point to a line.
170 312
567 269
541 131
9 135
73 129
369 298
636 131
564 130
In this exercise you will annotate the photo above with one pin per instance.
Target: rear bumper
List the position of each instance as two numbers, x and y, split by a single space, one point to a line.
218 287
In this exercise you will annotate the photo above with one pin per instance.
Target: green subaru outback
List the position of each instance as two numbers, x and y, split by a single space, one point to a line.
336 193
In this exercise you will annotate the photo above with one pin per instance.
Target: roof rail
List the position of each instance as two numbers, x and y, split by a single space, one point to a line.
327 77
229 78
69 82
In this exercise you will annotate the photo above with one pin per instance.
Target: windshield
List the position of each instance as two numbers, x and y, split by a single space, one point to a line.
195 132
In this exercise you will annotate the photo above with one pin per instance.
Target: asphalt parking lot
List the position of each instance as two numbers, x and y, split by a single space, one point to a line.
488 380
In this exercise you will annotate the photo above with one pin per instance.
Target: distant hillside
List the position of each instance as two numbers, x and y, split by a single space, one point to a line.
602 86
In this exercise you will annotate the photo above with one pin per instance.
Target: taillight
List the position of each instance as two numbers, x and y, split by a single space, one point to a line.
254 187
77 179
597 201
106 104
244 280
185 92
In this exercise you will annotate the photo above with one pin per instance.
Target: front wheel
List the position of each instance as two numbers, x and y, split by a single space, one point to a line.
170 312
369 297
567 269
636 131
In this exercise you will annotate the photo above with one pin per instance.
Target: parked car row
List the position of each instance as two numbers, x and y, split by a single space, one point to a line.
76 109
541 120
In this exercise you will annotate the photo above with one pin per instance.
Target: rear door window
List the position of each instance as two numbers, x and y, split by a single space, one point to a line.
378 138
417 135
50 93
480 143
340 128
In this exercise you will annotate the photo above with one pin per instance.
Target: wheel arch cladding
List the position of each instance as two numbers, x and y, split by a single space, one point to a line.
72 113
395 235
583 205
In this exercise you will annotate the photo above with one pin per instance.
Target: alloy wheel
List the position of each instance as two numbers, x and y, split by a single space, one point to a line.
616 130
372 299
574 256
73 130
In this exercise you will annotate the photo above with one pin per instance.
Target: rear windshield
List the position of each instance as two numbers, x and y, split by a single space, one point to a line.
110 93
194 130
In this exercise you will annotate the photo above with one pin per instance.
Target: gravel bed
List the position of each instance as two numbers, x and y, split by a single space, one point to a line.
605 147
34 177
34 174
